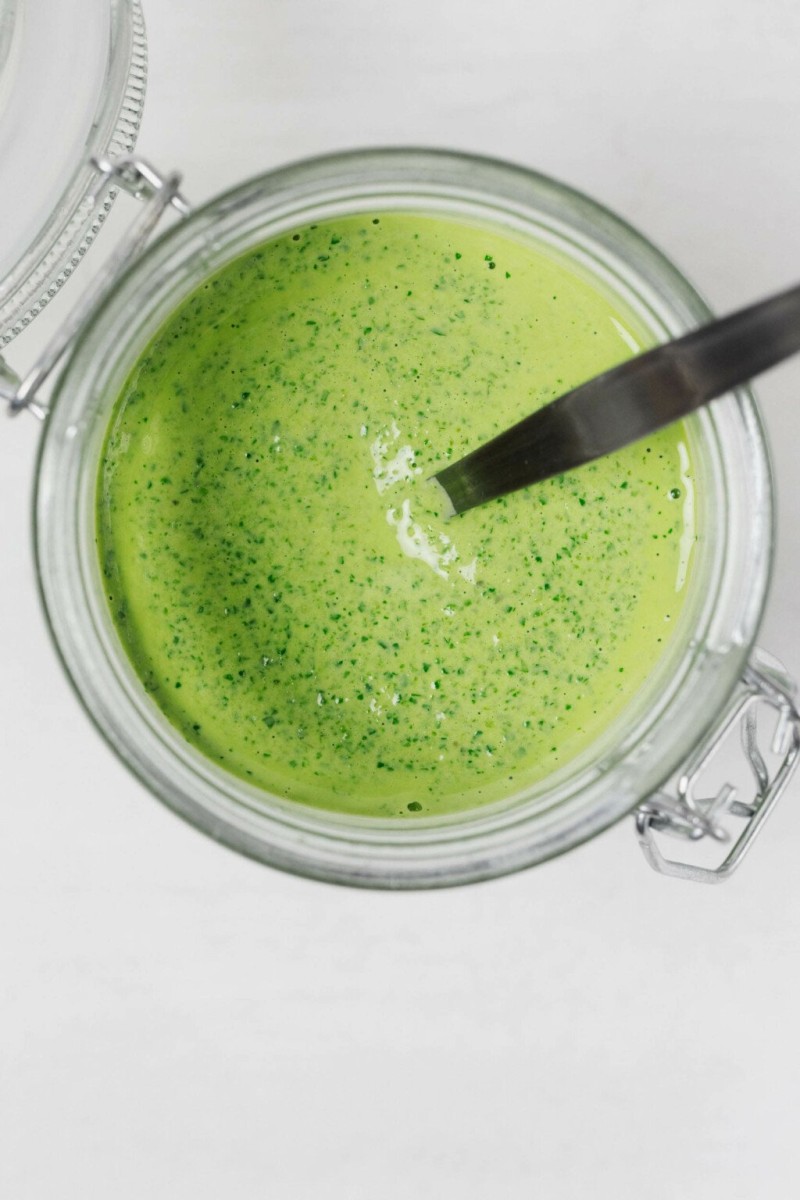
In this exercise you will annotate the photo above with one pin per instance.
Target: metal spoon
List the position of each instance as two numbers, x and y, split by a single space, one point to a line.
628 402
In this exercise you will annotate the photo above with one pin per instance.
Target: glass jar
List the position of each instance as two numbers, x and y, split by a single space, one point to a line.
702 681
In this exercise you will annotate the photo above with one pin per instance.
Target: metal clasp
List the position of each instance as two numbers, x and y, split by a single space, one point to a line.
158 192
687 811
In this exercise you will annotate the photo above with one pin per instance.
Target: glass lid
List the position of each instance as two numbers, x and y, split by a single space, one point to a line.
72 79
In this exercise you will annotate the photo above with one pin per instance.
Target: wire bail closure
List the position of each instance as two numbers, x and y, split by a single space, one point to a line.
690 815
158 192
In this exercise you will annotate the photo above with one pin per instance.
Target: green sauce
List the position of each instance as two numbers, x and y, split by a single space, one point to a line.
280 572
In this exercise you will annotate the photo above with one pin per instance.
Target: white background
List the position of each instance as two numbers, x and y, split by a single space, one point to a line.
178 1022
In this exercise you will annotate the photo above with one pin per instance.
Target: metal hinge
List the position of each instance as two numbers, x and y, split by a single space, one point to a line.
687 812
158 192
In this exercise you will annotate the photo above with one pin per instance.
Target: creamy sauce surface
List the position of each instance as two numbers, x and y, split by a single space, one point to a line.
280 571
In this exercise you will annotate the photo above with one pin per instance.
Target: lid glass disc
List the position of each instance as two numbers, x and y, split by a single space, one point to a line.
72 80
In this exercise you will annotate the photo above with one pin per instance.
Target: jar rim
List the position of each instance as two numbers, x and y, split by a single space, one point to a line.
374 852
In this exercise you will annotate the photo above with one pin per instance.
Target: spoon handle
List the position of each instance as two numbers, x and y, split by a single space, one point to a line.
629 401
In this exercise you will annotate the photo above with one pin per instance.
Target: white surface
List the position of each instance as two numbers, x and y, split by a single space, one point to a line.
178 1022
